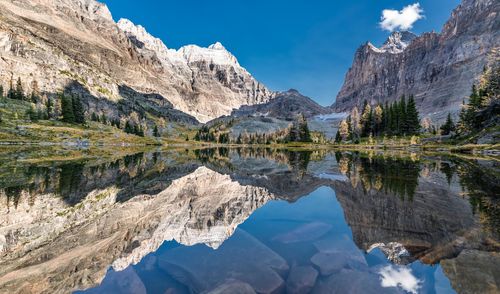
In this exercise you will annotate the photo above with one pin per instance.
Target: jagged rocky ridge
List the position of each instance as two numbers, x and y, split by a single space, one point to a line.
285 105
61 42
438 68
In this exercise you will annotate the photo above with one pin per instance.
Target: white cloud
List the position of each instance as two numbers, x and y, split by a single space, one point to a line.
401 20
399 277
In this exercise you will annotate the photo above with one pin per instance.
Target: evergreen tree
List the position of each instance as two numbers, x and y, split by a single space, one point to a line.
50 108
412 120
378 117
32 113
78 111
35 92
338 137
128 128
238 141
1 92
156 133
103 119
19 92
68 115
304 133
449 126
11 94
94 117
402 127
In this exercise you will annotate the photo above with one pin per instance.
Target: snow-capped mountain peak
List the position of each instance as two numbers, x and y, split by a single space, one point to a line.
217 46
215 54
398 41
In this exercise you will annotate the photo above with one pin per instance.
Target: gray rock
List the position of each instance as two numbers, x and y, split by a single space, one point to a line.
474 272
301 280
438 68
241 257
233 287
307 232
43 41
330 263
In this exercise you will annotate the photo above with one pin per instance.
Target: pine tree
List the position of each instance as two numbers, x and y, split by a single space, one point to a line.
365 119
378 117
50 108
403 127
475 98
103 119
94 117
156 133
11 94
412 120
78 111
19 92
128 128
304 133
68 115
32 113
1 92
449 126
35 92
338 137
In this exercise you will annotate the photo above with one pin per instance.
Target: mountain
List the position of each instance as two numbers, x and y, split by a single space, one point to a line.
438 68
285 105
61 43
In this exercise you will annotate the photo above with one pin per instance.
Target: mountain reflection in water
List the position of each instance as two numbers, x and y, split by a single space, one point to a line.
256 220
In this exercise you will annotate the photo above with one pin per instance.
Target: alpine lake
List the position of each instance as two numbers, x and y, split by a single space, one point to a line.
247 220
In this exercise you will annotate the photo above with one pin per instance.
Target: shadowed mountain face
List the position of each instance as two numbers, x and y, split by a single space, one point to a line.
286 105
438 68
167 219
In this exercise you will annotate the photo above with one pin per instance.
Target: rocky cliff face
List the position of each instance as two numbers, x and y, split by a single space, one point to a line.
438 68
59 43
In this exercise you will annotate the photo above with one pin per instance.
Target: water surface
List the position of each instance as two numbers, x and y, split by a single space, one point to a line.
249 220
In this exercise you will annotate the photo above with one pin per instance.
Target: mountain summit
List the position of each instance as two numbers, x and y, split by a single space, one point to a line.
398 41
76 46
437 68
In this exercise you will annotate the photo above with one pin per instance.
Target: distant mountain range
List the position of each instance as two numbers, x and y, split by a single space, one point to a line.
75 46
60 42
438 68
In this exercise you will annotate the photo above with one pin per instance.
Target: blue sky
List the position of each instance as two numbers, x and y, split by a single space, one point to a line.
283 43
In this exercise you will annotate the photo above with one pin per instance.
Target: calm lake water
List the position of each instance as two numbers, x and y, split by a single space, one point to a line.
249 221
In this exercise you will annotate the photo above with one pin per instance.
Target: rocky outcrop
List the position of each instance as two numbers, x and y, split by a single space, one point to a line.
57 43
286 105
438 68
474 272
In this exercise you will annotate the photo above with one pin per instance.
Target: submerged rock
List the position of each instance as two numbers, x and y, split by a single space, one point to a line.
307 232
301 280
330 263
233 287
474 272
241 257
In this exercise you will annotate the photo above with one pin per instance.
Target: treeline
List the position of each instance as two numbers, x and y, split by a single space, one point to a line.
400 118
63 107
70 109
482 108
297 131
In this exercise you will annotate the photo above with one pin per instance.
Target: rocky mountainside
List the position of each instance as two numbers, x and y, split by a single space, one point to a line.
76 46
285 105
438 68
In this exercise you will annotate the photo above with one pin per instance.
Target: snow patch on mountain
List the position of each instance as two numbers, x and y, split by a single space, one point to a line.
395 44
